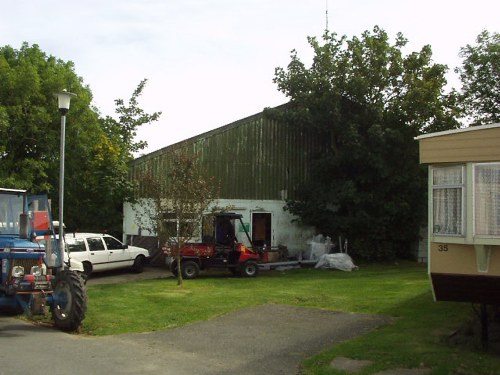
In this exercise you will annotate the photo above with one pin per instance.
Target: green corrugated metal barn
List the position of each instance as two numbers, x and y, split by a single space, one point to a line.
259 163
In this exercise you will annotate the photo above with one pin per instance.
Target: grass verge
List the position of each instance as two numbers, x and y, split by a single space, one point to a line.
401 290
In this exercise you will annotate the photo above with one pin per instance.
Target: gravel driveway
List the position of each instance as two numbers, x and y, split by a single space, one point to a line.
269 339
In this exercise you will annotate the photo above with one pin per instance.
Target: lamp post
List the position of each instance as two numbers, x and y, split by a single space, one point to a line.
63 99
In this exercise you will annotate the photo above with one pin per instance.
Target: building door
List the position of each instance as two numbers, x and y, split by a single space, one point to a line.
261 229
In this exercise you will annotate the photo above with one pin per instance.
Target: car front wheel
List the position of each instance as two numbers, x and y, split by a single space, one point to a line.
138 266
87 270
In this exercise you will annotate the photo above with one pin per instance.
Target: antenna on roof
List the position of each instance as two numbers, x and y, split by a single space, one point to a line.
326 15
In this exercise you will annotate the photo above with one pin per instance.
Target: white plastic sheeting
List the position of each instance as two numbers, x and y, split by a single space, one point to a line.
318 246
340 261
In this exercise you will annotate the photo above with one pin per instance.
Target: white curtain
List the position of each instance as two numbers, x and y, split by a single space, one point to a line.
487 199
447 200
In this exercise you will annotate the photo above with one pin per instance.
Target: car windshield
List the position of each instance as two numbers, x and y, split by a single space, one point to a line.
11 206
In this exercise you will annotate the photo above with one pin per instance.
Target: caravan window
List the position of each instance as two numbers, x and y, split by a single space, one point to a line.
448 190
487 199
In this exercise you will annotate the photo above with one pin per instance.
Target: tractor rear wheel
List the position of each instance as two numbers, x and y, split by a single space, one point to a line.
249 269
190 270
69 301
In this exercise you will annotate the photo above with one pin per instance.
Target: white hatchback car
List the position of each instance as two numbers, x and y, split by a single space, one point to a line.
102 252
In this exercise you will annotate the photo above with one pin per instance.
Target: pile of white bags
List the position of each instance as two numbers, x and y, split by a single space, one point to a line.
340 261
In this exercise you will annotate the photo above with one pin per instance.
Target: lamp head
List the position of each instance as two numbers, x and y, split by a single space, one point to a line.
63 100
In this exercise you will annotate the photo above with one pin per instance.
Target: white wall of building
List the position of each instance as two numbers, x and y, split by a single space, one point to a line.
283 231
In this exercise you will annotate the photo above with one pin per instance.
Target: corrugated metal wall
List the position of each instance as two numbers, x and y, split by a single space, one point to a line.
253 158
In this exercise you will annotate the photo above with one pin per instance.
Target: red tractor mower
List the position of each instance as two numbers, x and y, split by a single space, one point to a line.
218 250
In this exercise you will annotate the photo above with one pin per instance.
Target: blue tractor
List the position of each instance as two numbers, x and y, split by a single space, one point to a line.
36 279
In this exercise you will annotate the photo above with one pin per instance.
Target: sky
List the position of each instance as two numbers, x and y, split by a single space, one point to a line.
212 62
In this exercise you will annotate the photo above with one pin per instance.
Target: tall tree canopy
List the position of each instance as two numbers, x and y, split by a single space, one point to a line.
98 149
29 120
367 101
480 76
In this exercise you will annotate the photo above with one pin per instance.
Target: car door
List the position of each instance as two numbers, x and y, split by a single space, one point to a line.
118 256
98 255
77 249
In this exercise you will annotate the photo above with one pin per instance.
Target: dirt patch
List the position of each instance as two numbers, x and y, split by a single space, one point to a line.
126 275
469 335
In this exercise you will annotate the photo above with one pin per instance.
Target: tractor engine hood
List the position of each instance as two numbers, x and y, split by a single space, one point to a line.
14 242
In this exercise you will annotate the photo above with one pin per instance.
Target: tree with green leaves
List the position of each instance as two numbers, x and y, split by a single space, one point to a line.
102 185
98 149
480 77
29 119
367 101
173 203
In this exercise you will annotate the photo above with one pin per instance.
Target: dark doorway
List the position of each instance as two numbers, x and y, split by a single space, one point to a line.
261 229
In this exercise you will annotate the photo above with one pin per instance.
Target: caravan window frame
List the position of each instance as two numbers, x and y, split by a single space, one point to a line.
486 200
449 218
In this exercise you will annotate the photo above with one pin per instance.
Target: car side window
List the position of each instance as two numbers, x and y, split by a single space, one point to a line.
75 245
112 243
95 244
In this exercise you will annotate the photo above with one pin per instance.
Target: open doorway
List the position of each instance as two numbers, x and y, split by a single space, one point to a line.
261 229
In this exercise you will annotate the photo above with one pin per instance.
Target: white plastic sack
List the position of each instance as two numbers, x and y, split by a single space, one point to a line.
340 261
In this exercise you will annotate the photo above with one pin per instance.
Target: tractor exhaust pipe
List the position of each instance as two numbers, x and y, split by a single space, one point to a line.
24 226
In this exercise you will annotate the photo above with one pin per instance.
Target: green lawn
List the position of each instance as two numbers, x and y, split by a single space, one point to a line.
416 337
